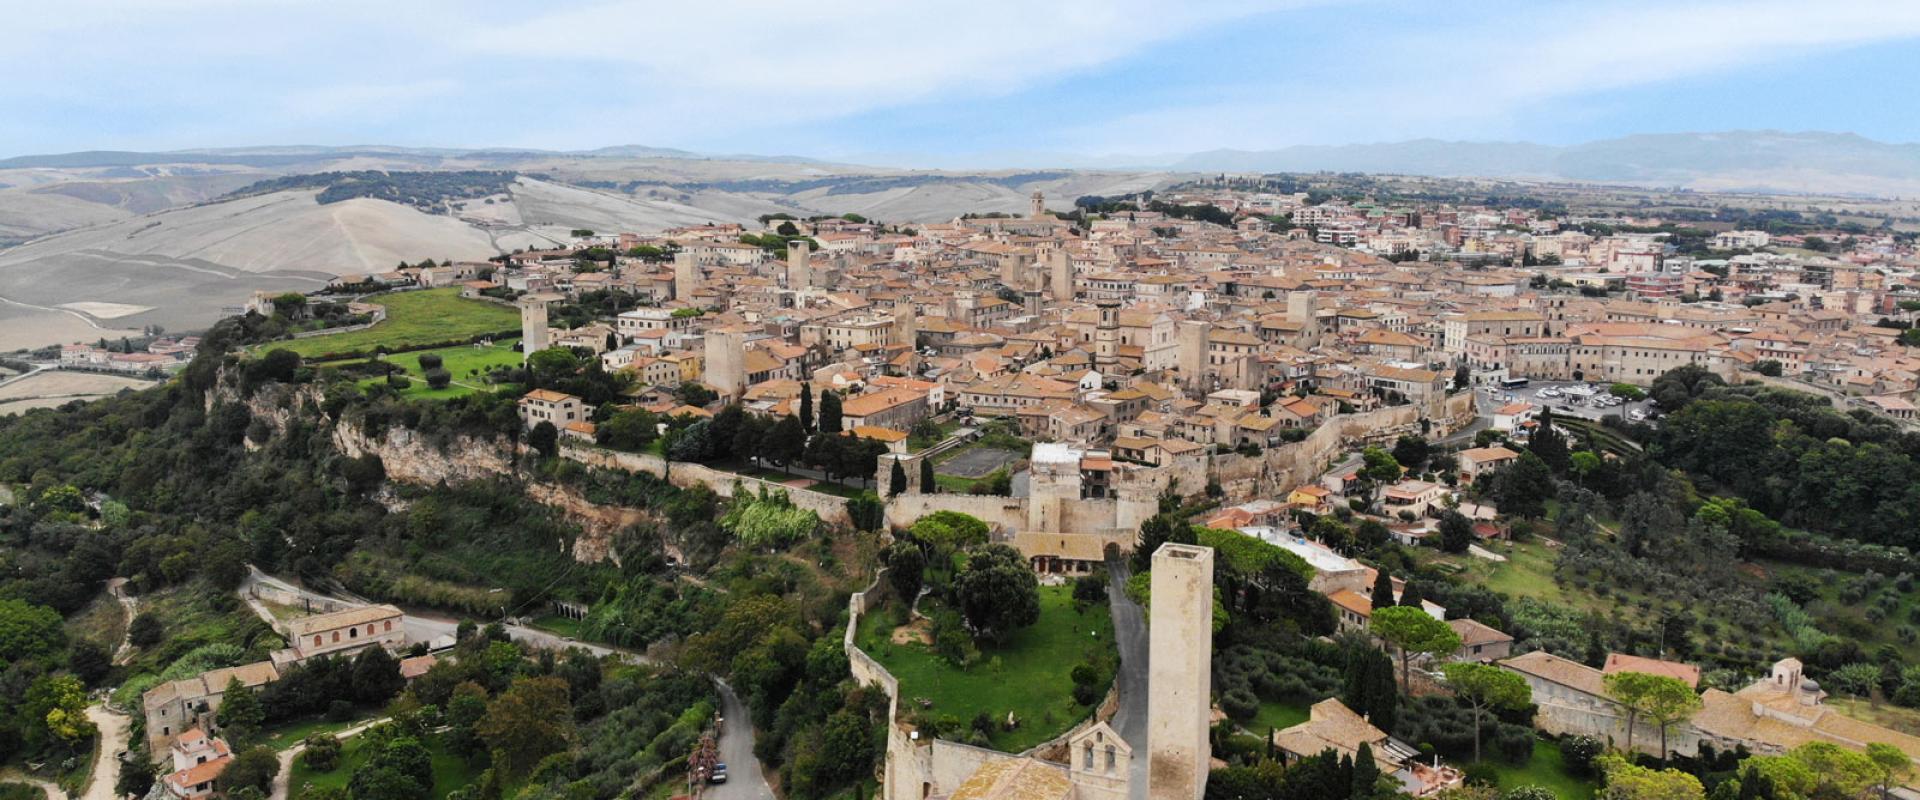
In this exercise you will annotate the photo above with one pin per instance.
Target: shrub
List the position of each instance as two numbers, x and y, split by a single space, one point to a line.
1240 704
439 378
1579 752
1481 773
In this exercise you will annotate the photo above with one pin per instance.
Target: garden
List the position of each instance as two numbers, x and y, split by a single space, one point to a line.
415 320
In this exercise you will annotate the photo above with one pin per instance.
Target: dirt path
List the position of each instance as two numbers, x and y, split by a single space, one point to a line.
114 730
118 588
284 777
53 790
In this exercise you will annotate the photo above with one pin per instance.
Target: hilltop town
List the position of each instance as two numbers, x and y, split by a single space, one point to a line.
1235 489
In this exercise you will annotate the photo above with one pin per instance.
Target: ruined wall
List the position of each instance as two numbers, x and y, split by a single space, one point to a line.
1006 512
831 508
1279 469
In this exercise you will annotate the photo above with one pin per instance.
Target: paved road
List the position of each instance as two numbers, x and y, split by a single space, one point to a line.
425 626
1130 638
744 778
114 730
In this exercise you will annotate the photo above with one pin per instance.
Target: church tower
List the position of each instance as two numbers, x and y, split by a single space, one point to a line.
1039 205
1106 339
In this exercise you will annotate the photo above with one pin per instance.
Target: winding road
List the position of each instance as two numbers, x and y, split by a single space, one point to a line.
745 781
114 727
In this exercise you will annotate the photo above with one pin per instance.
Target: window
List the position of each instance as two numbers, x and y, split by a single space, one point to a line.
316 640
389 625
1088 761
352 633
336 636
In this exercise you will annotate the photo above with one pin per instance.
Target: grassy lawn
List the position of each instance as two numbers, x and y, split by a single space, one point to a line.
450 771
289 734
1546 769
413 319
776 476
467 363
558 625
1276 716
1029 675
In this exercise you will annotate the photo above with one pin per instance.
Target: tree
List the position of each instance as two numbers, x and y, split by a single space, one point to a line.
254 768
1412 632
1893 766
1411 452
1456 532
60 703
806 406
897 479
144 631
784 442
1626 781
376 676
1462 376
1380 466
906 566
1549 443
89 661
829 412
526 723
28 632
1521 489
927 484
997 592
1366 773
630 430
1382 589
1160 529
695 394
1369 687
544 438
1411 597
241 713
1659 697
321 752
438 378
1483 687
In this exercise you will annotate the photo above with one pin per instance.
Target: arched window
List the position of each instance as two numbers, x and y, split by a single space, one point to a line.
336 636
389 624
1089 757
1112 757
317 641
353 633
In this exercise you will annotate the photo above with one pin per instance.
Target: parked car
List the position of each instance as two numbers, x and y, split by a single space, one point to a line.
719 774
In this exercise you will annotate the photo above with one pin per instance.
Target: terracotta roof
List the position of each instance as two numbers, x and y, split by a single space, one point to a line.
307 626
1549 667
1621 662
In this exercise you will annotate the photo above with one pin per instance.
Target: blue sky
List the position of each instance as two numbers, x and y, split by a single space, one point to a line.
970 82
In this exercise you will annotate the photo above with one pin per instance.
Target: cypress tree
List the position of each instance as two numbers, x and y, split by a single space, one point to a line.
806 407
1411 596
927 484
1382 589
829 412
897 479
1365 773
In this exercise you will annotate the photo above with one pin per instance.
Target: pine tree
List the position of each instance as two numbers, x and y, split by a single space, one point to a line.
1382 589
806 407
927 484
897 479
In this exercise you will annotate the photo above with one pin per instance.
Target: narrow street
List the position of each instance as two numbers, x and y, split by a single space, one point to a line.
1130 638
745 781
114 730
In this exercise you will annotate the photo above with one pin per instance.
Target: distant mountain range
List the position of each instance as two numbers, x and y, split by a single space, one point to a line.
1734 160
1774 161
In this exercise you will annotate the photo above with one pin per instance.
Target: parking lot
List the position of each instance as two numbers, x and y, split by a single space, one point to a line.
1568 398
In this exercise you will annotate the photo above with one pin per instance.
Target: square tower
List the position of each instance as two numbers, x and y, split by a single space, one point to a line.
799 270
533 325
686 276
1179 672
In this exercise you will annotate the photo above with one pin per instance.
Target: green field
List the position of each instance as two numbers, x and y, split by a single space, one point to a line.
414 319
1546 769
450 771
1276 716
1030 675
466 362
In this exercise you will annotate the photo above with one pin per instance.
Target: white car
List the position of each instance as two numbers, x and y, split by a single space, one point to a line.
1637 416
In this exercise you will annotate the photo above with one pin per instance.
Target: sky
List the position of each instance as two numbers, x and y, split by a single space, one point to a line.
935 83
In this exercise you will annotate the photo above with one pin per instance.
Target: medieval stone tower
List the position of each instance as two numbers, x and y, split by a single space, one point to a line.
1179 677
1106 339
686 276
726 368
1039 205
1060 273
533 325
1192 339
1301 308
1030 302
906 328
799 271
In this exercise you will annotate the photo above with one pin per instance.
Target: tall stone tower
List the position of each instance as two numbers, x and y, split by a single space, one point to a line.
686 276
1301 308
799 271
1106 339
533 325
906 328
1060 273
1192 340
1031 300
726 367
1179 672
1038 205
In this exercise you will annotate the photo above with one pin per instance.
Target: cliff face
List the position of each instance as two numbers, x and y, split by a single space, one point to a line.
598 523
411 457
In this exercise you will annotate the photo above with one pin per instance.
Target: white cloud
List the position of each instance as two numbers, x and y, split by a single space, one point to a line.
782 60
1476 81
